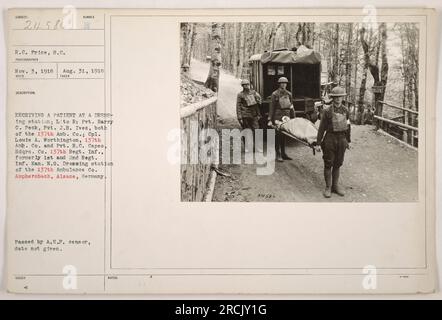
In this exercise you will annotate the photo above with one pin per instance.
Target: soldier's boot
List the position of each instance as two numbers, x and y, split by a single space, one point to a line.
278 148
255 147
283 154
279 157
335 184
328 182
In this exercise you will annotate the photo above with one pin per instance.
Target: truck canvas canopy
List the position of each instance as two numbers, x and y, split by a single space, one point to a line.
302 56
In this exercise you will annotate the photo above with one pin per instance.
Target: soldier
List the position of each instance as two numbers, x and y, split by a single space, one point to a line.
336 125
280 106
247 109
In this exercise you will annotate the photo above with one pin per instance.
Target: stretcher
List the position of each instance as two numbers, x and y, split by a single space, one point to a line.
299 129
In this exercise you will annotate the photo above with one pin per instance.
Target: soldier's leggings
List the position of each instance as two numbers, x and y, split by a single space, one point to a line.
333 148
279 142
250 123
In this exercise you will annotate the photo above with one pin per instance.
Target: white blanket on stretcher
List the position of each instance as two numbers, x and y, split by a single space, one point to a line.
301 128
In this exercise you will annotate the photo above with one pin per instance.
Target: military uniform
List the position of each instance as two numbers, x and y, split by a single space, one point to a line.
281 105
247 108
335 125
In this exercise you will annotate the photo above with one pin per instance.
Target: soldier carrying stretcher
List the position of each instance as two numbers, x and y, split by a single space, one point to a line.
281 106
335 124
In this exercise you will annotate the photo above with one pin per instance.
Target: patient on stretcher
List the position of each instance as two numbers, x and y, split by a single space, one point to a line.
300 128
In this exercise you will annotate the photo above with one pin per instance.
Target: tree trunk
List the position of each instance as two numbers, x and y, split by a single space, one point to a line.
312 35
255 39
356 65
362 88
413 36
348 61
235 45
192 43
298 34
240 52
286 34
380 77
384 59
404 68
305 35
212 81
185 42
335 46
274 32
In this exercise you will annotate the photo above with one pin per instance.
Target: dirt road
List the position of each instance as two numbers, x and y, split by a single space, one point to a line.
377 168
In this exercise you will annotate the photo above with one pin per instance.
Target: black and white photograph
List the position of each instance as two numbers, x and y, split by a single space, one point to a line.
299 111
252 152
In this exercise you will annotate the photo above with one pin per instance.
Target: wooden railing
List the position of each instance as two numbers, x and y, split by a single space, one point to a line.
195 176
402 127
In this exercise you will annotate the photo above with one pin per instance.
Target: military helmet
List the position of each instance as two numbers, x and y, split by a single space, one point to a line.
337 92
283 80
244 82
